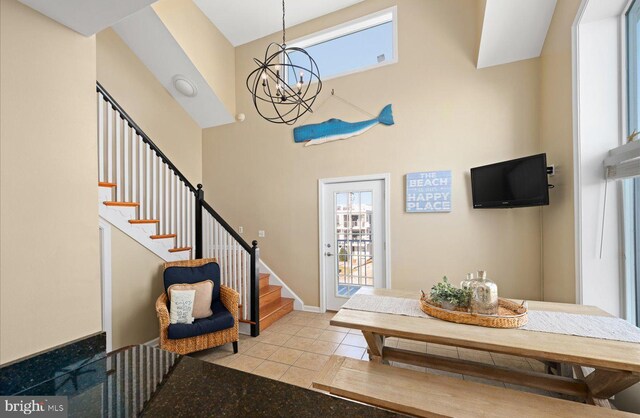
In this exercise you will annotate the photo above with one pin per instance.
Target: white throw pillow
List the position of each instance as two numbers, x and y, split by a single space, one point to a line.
181 310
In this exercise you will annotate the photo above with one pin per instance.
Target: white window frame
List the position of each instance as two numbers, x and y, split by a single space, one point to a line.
374 19
629 291
600 278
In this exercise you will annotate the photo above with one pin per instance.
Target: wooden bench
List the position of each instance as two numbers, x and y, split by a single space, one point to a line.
428 395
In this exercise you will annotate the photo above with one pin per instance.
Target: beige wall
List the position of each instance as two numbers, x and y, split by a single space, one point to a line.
208 49
137 90
448 116
136 277
556 139
49 250
136 284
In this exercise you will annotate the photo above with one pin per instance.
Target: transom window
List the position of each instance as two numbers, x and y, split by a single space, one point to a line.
355 46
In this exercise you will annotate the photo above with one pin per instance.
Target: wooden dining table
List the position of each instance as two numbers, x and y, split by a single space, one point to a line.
599 368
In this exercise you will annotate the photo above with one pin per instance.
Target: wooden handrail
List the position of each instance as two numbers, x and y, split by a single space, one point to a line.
226 226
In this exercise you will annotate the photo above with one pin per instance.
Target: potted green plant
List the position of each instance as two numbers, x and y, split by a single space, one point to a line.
449 297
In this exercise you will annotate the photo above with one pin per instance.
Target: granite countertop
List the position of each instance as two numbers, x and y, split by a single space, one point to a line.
147 381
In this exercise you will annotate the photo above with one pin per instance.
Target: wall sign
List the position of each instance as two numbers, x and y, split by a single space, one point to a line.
429 191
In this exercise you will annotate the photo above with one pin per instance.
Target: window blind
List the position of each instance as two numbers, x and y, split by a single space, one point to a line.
623 161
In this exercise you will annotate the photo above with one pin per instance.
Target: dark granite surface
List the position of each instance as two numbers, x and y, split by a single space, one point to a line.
155 383
197 389
38 369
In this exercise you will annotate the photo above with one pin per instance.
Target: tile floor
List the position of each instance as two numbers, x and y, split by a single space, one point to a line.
297 346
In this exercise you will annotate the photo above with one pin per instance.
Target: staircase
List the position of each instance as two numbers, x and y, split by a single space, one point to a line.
148 227
142 193
272 305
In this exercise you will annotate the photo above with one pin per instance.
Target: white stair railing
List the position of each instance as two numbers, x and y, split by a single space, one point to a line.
141 175
234 260
143 178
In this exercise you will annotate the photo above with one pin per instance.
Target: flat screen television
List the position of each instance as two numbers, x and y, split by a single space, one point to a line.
511 184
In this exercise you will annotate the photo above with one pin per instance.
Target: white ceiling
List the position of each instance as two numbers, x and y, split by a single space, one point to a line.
514 30
247 20
148 37
87 16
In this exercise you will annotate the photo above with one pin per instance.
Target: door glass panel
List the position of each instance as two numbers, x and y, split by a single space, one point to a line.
354 235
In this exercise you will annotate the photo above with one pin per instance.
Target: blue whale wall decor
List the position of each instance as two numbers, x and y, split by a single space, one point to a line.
336 129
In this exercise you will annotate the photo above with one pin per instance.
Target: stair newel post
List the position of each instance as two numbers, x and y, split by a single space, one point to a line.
255 289
198 238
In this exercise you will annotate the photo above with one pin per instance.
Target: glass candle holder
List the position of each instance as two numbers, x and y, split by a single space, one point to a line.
466 283
485 295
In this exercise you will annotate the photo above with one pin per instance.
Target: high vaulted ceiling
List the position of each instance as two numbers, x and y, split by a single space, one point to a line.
514 30
247 20
182 37
87 16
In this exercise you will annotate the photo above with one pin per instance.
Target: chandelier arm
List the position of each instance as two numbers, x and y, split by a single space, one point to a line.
277 110
302 103
275 107
270 119
311 72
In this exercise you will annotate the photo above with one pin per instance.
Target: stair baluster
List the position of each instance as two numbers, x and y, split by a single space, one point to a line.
141 177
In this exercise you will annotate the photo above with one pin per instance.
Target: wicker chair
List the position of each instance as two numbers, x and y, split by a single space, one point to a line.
229 299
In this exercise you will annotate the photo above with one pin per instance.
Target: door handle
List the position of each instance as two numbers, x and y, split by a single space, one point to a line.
328 254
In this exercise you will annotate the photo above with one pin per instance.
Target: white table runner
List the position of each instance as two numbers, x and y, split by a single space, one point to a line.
601 327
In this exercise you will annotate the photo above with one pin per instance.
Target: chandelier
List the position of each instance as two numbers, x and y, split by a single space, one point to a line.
286 82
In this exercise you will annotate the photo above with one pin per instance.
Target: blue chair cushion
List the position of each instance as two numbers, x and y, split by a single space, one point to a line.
221 319
209 271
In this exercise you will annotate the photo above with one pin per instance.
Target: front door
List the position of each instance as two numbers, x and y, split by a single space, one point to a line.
353 249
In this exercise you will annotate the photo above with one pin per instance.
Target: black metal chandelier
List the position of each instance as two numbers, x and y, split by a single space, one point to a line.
280 92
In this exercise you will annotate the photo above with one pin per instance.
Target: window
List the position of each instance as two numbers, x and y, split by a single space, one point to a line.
631 186
355 46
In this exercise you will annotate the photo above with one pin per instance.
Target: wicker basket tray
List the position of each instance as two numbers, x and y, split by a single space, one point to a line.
510 315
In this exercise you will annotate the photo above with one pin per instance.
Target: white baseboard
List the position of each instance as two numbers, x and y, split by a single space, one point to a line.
314 309
298 304
244 328
153 343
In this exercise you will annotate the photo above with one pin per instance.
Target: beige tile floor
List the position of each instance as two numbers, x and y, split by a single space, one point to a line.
297 346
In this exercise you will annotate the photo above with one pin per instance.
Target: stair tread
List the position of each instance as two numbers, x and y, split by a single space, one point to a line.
274 307
263 275
144 221
163 236
175 250
264 291
106 184
126 204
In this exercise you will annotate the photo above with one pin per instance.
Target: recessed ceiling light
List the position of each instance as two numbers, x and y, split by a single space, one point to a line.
184 86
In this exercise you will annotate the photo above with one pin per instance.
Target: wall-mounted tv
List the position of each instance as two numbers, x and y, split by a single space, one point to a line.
511 184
